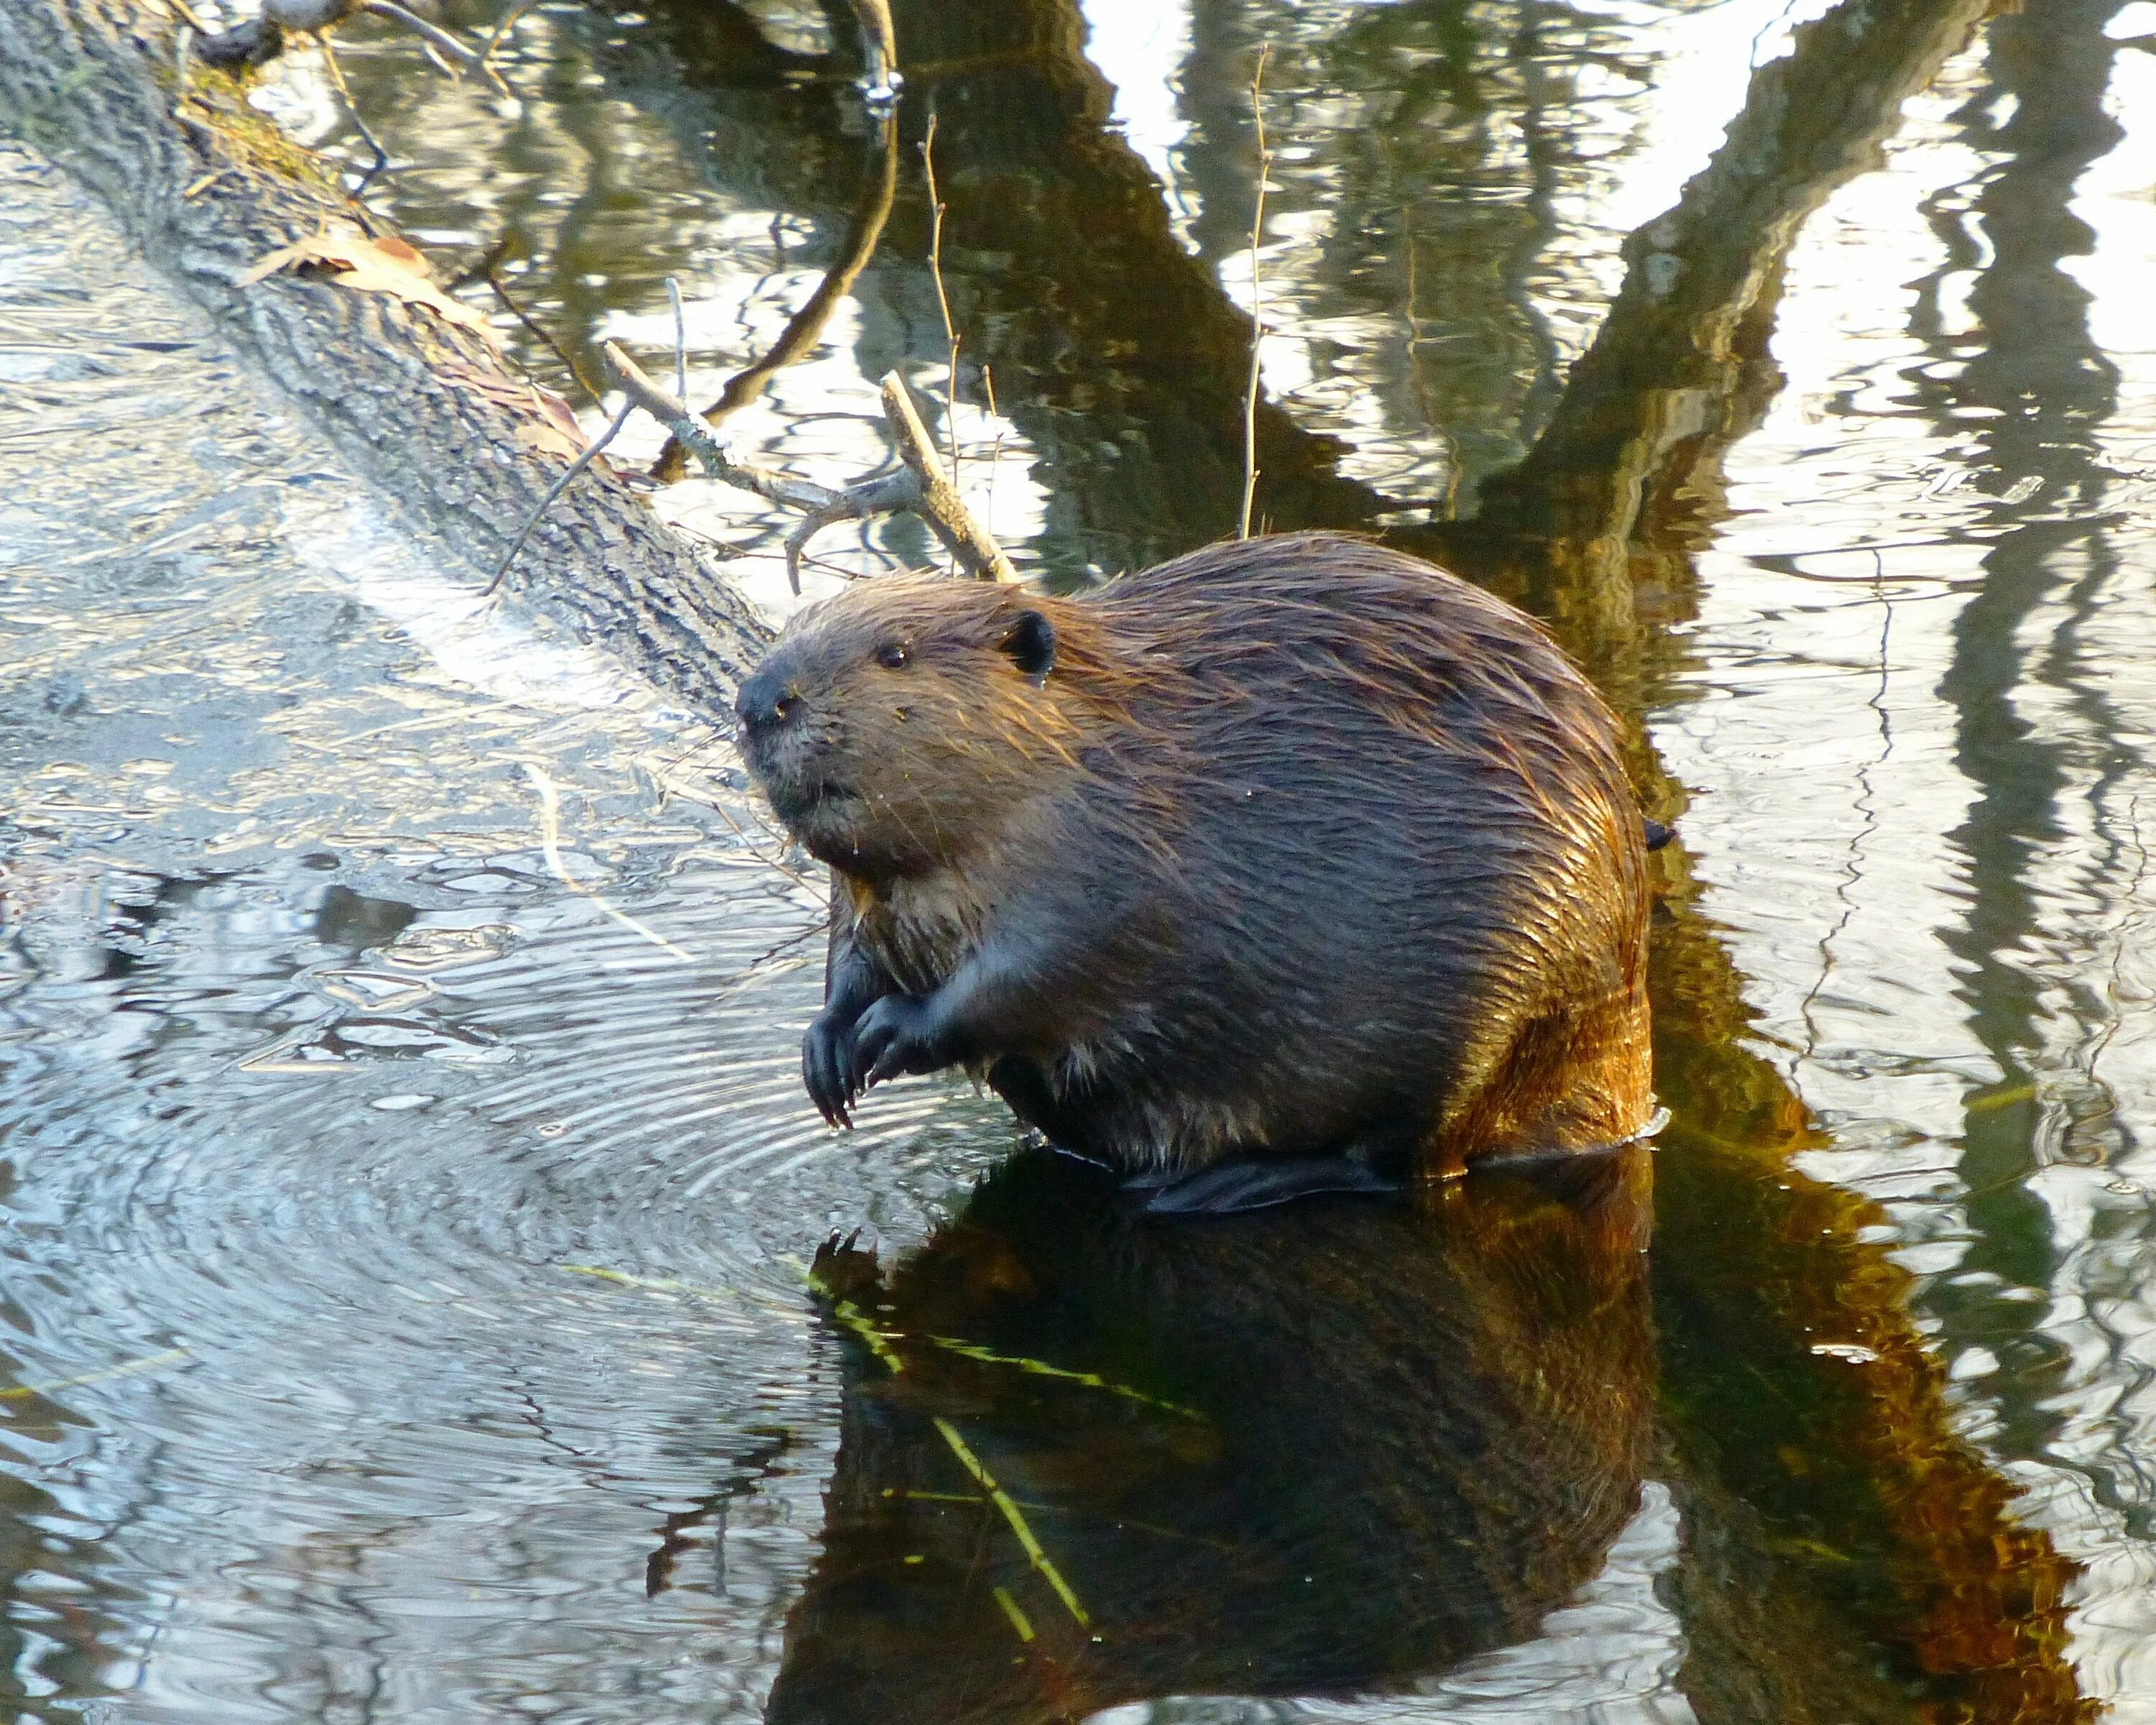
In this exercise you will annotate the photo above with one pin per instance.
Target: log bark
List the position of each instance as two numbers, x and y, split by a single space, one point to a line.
427 412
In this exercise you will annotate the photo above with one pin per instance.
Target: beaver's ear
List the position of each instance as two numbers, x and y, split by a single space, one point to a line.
1031 641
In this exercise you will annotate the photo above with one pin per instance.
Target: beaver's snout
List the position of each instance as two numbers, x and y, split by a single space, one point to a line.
766 699
785 743
773 710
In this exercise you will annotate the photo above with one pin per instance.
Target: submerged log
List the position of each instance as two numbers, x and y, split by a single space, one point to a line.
417 399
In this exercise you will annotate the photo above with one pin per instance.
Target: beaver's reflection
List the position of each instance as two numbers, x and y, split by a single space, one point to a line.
1332 1447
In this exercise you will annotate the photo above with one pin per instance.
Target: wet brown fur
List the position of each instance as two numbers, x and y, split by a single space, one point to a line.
1299 845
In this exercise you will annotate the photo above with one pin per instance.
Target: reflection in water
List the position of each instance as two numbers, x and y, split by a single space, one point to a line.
1333 1447
805 328
403 1250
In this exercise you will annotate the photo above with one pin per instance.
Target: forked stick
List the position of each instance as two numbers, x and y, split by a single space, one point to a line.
920 485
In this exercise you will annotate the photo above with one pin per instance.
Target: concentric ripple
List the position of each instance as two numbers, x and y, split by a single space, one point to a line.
409 1175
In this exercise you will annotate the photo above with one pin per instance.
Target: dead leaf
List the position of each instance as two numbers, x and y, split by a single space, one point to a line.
549 424
564 416
548 439
370 266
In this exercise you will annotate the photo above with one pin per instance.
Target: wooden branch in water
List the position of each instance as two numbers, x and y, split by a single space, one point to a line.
920 486
941 506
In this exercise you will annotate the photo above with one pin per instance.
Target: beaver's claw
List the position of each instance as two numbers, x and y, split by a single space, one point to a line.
893 1038
828 1070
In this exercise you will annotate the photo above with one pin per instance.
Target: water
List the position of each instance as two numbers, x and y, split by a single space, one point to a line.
410 1202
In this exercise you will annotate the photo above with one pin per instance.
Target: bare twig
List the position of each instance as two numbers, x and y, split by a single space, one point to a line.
560 486
715 459
941 506
351 110
920 486
489 256
501 31
1257 301
996 453
943 300
806 326
434 36
820 504
433 57
259 39
493 275
844 507
680 341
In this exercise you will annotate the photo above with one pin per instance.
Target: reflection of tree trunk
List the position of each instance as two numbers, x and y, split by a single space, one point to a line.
2041 388
1831 1506
1848 1557
2047 387
1658 384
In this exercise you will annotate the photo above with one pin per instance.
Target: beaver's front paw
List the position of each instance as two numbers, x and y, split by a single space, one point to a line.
828 1068
896 1036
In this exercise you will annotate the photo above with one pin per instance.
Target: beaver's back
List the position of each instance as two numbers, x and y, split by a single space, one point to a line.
1362 847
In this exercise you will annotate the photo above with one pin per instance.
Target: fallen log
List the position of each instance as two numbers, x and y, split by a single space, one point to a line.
417 398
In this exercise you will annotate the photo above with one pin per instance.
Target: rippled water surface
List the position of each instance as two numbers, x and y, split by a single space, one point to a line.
410 1203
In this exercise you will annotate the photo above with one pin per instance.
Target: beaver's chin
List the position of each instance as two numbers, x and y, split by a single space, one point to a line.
828 820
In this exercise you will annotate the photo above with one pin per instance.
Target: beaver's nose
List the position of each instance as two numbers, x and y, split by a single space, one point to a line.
766 700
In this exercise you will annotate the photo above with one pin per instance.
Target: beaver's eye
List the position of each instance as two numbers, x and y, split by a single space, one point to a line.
893 656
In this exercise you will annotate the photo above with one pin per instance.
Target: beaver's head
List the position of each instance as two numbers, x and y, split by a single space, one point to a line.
896 726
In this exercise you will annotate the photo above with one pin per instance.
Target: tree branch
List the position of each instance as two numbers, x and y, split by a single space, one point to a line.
940 505
920 486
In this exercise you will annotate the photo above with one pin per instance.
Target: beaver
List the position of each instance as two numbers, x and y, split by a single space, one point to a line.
1295 864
